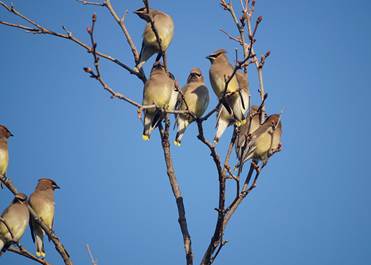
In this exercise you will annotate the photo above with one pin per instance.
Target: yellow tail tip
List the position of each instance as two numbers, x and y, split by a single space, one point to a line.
240 123
145 137
40 254
177 143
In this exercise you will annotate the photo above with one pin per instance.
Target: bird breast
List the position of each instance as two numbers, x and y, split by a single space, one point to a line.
158 93
218 76
263 144
3 160
197 98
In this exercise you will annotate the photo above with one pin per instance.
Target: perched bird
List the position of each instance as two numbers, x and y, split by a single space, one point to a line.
4 155
164 25
197 98
241 105
42 201
219 72
158 90
258 143
16 217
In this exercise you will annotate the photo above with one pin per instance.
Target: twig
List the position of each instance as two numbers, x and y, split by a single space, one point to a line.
121 23
244 192
247 14
90 3
25 253
38 29
218 232
92 259
221 245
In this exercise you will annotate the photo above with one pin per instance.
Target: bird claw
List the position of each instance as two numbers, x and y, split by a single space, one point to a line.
139 113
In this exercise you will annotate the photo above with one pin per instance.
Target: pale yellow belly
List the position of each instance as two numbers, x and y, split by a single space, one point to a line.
263 144
4 159
47 214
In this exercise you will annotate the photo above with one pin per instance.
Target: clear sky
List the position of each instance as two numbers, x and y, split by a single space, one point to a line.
312 203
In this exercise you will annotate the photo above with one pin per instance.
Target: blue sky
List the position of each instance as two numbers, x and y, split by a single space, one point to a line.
312 204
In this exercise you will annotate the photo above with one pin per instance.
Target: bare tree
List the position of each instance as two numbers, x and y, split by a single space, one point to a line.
247 27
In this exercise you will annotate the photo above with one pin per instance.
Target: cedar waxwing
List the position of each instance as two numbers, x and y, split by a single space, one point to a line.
16 217
158 90
42 202
197 97
221 70
4 155
259 143
165 28
241 105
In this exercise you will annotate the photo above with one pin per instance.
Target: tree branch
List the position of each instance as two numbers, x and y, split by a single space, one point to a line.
218 232
25 253
176 191
38 29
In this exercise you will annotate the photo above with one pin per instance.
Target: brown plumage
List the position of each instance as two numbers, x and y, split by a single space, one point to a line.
259 142
158 91
42 201
164 25
16 217
4 155
197 98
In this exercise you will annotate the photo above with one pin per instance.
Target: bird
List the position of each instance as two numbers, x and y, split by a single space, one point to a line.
258 142
241 105
196 95
42 202
158 90
220 70
4 154
16 217
164 25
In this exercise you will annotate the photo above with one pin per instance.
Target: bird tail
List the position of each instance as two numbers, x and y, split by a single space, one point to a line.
39 242
182 123
221 125
151 120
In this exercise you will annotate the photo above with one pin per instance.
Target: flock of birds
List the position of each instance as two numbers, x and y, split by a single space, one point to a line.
257 139
16 217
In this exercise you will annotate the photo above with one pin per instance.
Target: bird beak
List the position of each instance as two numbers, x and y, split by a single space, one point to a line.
56 187
10 134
